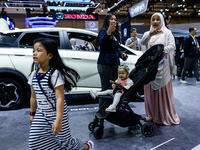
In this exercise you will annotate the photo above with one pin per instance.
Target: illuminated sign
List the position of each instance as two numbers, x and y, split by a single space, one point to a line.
37 22
69 16
138 8
69 1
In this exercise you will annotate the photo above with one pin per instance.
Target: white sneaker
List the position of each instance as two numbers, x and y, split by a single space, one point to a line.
111 108
90 144
183 81
93 94
197 82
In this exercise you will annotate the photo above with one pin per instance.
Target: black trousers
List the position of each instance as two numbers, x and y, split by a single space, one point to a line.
193 62
106 74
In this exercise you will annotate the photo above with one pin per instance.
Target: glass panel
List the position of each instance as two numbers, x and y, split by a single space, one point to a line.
7 40
28 38
80 41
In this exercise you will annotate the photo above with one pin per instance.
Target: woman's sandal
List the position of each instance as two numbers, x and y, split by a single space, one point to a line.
147 119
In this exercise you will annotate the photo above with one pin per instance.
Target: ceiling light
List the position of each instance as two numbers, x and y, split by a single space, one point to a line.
66 8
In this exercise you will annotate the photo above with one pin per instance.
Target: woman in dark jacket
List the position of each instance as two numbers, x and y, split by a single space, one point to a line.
108 61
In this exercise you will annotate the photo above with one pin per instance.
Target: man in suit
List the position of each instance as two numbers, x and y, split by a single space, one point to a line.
191 53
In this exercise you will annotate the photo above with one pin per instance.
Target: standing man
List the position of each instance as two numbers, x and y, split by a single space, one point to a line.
133 42
191 53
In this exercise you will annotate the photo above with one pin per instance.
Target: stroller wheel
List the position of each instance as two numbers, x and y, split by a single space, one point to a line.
148 129
98 133
91 126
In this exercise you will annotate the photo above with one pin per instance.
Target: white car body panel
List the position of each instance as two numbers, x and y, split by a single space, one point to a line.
84 62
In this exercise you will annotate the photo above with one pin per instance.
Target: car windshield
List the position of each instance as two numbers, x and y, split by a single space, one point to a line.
7 40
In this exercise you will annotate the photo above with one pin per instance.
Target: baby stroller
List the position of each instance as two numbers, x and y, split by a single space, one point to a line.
145 71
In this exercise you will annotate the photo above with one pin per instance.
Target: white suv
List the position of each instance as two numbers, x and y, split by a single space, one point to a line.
16 59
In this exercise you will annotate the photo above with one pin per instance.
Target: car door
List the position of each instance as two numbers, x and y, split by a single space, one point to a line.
21 55
83 61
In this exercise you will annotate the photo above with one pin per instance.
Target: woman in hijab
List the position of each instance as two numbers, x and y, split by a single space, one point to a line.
159 100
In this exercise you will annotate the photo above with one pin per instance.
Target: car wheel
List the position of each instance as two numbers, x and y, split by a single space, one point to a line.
11 94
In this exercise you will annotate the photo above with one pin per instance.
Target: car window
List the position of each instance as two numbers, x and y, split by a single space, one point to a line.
27 40
7 40
80 41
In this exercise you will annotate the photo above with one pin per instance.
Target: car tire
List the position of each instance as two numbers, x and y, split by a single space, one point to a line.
11 94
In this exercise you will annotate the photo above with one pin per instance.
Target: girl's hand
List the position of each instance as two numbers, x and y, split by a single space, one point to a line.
57 127
31 119
124 56
114 86
120 86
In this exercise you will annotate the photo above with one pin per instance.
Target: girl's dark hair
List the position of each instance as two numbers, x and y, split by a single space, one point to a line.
69 75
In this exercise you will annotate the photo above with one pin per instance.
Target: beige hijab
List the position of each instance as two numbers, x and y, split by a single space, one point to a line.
158 38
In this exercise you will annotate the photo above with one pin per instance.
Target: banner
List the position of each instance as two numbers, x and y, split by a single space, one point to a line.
125 30
138 8
92 26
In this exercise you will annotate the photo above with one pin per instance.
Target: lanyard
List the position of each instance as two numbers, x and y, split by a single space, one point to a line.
39 77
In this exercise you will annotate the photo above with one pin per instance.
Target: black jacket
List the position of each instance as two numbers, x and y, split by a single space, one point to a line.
190 48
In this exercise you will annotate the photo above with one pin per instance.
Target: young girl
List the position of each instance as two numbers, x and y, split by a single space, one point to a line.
49 115
119 86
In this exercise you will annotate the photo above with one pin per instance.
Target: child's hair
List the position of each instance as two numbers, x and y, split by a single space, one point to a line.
124 67
69 75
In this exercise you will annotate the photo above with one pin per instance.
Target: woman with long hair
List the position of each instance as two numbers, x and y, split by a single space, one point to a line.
108 61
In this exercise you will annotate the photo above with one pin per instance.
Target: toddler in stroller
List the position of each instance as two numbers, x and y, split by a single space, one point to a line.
122 84
145 71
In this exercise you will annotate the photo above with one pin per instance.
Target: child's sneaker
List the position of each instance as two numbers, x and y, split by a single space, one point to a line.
93 94
111 108
90 144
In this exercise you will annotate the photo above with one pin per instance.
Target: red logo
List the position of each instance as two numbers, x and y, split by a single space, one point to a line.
79 16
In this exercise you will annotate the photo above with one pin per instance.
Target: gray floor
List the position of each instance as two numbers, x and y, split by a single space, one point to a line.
14 127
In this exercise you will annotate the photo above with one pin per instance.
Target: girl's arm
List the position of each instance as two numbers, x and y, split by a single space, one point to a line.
57 125
33 105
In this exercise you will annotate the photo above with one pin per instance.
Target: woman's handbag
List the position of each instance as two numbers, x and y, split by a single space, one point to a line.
173 67
173 70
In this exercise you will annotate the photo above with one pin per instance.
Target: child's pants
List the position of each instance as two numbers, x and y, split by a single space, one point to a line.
110 92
